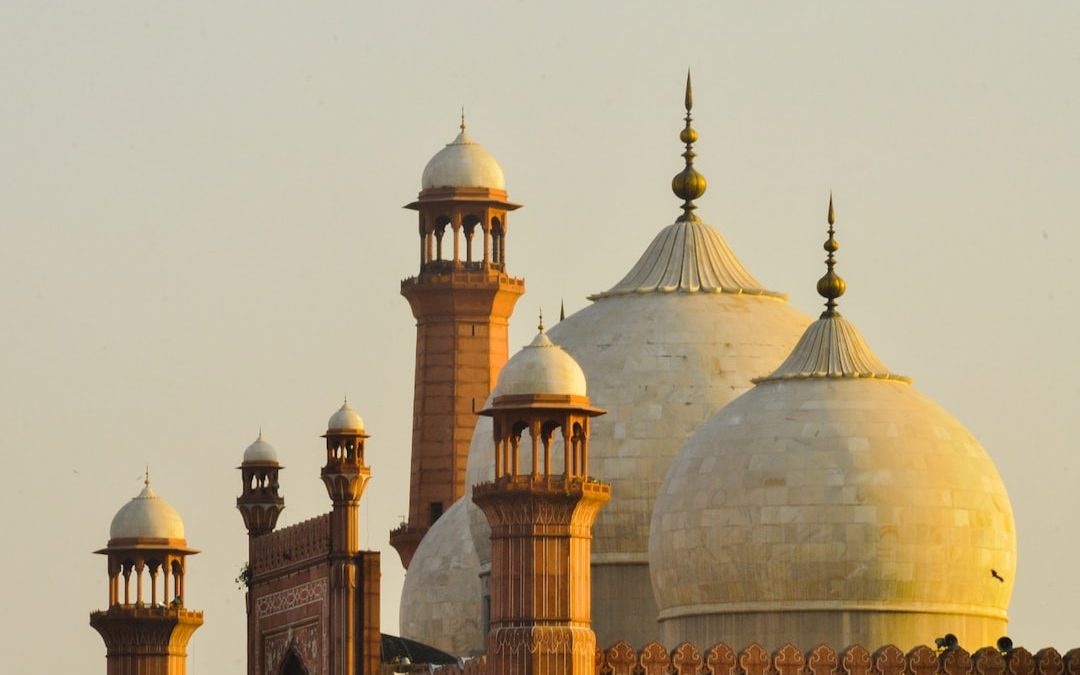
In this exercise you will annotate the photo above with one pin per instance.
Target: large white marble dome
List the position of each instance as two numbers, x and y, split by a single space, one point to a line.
680 336
832 503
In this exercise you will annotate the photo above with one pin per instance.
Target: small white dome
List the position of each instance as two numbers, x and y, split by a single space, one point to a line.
345 419
542 367
464 163
147 516
260 451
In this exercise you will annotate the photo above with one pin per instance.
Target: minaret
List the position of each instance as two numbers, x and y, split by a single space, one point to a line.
353 622
541 509
146 627
260 503
462 299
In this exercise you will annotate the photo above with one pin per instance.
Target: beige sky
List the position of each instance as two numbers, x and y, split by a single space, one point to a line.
201 234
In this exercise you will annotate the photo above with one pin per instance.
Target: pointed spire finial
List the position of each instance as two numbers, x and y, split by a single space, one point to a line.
146 480
688 184
462 119
540 326
831 286
562 309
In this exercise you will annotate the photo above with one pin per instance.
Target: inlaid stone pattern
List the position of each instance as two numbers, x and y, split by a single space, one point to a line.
282 601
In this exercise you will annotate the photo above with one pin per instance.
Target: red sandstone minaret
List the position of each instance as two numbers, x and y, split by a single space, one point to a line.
146 627
354 577
462 300
541 509
260 504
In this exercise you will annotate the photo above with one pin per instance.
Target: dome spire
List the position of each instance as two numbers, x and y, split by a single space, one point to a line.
540 326
688 184
462 125
831 286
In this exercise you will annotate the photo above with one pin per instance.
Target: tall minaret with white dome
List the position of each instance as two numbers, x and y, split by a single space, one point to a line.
462 299
146 627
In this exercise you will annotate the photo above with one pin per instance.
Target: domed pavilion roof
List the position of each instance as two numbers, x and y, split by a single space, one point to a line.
463 163
541 367
260 452
146 516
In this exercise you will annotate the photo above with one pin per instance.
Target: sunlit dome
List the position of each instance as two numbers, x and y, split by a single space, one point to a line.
147 516
463 163
541 367
440 601
260 452
345 419
832 503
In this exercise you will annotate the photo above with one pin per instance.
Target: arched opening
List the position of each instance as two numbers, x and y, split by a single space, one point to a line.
498 243
468 227
517 430
440 230
178 583
547 433
578 464
293 664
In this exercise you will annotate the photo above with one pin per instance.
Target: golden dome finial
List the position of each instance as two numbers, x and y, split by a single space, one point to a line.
831 286
146 479
462 126
688 184
540 326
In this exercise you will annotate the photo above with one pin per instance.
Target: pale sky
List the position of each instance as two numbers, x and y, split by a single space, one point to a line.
201 234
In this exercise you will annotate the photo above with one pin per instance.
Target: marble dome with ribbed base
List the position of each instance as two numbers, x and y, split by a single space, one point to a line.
832 503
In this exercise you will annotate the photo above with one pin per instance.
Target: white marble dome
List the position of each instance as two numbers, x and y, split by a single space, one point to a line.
146 516
345 419
679 337
440 601
463 163
832 503
541 367
260 452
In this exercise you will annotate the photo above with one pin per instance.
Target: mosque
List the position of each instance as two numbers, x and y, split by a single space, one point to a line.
687 476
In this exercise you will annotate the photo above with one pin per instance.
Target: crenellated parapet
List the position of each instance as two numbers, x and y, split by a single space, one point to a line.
720 659
291 547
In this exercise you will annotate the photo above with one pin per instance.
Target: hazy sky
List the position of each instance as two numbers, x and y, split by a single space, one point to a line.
201 234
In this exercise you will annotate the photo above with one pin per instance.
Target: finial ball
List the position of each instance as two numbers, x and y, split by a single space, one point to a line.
831 286
688 135
688 184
